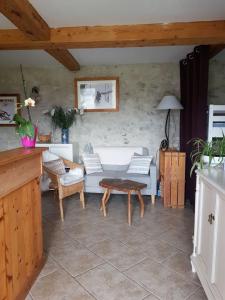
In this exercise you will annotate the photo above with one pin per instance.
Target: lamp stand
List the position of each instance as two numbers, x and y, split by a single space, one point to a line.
167 127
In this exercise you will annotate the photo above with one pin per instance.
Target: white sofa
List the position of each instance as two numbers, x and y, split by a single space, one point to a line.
115 161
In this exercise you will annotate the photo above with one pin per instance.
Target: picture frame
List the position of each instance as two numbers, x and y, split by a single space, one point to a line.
97 94
9 104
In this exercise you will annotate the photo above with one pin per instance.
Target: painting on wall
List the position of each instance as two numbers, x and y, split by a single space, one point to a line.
9 104
97 94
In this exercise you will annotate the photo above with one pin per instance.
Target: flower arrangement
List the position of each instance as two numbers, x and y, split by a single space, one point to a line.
25 128
61 118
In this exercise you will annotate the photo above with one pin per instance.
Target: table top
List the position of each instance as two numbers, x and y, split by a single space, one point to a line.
122 185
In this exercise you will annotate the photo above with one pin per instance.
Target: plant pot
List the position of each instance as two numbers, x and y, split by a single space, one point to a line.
216 160
28 142
65 136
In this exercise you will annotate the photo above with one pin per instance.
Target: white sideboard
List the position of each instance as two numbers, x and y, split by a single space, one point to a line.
208 258
63 150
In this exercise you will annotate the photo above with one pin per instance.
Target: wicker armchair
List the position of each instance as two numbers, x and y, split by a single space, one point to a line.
63 191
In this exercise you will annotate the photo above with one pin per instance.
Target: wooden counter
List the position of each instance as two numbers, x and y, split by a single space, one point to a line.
21 249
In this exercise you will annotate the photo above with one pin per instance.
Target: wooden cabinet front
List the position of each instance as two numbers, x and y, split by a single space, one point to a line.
21 249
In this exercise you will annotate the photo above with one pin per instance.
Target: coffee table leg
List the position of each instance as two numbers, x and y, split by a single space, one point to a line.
129 208
103 202
142 205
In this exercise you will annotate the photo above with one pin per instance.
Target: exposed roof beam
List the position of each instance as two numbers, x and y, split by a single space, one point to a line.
215 49
34 28
192 33
65 57
22 14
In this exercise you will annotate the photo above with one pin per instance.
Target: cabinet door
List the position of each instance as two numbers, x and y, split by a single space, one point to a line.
218 274
3 291
206 232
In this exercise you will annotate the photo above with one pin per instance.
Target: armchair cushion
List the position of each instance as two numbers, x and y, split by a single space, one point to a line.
67 179
57 166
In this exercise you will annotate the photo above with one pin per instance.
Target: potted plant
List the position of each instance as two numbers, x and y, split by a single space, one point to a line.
63 119
206 154
25 128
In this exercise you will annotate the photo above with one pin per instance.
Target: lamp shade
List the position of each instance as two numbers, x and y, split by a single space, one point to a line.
169 102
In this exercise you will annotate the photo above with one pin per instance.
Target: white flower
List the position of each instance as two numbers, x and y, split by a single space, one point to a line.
52 112
29 102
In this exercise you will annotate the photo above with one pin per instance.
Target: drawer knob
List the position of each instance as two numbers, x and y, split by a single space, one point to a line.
211 218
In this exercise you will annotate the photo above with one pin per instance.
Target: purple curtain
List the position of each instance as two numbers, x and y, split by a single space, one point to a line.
193 118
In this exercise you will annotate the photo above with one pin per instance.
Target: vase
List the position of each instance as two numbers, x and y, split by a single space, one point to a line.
65 136
29 142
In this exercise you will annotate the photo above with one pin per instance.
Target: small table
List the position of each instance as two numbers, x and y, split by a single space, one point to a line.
127 186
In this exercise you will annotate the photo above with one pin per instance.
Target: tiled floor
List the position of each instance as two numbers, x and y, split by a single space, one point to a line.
92 257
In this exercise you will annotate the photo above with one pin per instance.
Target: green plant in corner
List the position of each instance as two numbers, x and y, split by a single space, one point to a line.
206 153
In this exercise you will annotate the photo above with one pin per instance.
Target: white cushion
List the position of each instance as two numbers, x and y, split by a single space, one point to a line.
49 156
92 163
76 172
139 164
117 155
57 166
68 179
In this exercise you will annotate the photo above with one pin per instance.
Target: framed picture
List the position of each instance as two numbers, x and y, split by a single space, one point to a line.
97 94
8 107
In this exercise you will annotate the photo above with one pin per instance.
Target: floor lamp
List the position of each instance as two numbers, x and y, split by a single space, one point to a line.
167 103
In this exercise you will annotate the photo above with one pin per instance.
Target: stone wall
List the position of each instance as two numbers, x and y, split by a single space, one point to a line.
137 123
216 94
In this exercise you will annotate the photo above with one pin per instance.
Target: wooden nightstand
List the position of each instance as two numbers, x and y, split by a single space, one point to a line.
172 178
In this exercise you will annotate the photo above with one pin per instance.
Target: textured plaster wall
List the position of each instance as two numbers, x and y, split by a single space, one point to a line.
136 124
216 94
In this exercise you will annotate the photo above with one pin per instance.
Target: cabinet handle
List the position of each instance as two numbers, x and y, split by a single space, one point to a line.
211 218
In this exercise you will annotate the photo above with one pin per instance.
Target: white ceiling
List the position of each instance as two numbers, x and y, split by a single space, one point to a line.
106 56
58 13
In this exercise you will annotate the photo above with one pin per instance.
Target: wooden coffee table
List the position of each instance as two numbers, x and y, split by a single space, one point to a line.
127 186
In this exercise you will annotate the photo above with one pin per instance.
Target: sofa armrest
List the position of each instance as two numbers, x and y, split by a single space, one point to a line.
153 177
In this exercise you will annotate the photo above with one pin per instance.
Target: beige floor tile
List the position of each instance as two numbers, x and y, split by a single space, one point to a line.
179 239
118 254
155 249
49 267
151 297
75 260
57 238
105 282
180 262
58 286
161 281
199 295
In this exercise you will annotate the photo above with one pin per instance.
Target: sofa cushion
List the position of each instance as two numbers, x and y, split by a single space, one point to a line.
117 155
139 164
115 167
94 178
92 163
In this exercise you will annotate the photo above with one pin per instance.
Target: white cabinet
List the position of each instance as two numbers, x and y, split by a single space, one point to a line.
208 258
63 150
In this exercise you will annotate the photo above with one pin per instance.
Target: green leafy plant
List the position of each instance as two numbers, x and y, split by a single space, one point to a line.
202 148
61 118
23 127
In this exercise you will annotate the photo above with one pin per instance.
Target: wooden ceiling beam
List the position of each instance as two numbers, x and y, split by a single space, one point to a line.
22 14
192 33
215 49
34 28
65 57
